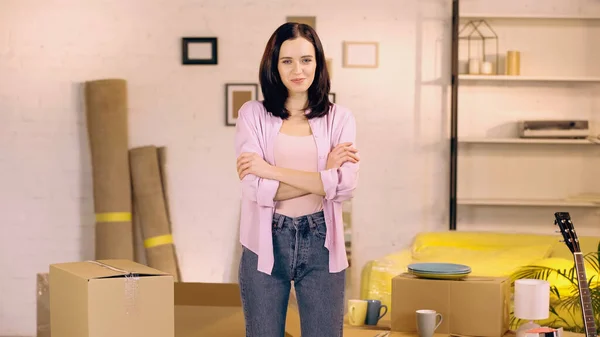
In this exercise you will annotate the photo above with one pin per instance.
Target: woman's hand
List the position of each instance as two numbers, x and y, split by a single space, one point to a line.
340 154
252 163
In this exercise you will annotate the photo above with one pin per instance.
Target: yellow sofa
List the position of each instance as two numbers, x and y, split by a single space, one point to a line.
488 254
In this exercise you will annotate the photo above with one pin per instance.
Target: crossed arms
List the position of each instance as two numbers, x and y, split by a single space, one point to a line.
294 183
285 192
265 183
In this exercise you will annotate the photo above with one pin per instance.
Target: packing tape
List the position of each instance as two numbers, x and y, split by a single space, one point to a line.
113 217
118 270
158 241
131 286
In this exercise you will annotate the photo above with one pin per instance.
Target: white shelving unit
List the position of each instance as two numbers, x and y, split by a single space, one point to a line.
514 183
490 16
528 202
484 140
528 78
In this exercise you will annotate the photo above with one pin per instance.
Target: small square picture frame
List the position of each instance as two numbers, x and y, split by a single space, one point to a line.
360 54
236 94
199 51
332 97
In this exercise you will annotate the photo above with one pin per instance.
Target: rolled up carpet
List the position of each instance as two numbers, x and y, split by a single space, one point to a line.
150 206
162 163
106 112
138 241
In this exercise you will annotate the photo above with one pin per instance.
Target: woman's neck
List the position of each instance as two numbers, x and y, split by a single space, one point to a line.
296 104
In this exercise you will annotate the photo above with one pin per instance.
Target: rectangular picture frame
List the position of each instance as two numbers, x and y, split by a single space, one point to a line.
358 54
189 46
236 94
332 97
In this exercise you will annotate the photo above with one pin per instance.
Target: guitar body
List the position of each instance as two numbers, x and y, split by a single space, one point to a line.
563 221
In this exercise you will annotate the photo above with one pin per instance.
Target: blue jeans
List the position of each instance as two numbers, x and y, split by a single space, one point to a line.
300 256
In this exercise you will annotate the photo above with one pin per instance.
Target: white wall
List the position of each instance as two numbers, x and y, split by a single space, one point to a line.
48 48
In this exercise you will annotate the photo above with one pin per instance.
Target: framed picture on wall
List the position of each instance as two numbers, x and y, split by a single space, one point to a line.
199 50
236 94
360 54
332 97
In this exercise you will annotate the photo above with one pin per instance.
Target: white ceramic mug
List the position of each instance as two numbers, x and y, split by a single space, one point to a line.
427 322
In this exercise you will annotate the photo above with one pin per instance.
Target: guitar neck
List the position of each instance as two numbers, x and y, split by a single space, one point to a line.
584 296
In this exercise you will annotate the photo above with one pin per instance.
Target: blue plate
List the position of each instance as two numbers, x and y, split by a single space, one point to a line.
439 273
440 276
439 268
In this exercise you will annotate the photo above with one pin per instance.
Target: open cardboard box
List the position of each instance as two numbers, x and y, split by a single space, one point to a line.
215 309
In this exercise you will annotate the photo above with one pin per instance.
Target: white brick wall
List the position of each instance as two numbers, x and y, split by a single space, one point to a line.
48 48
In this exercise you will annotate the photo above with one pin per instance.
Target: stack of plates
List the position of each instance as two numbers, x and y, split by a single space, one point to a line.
446 271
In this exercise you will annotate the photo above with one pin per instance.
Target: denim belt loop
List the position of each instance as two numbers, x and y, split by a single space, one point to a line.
311 221
280 221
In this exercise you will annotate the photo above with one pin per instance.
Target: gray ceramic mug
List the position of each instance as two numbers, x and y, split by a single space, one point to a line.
374 311
427 322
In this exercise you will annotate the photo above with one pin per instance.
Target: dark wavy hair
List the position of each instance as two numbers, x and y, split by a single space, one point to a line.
274 91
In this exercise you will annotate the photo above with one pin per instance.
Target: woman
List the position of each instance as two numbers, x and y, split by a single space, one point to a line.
297 165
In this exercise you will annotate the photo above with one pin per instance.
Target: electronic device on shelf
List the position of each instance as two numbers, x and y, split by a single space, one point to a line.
544 128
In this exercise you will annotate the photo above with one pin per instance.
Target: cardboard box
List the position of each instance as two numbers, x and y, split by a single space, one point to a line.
116 298
215 309
475 306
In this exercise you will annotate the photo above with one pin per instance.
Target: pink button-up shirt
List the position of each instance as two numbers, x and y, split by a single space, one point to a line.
256 131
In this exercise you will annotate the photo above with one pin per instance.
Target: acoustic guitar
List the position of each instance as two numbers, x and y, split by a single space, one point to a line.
563 221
